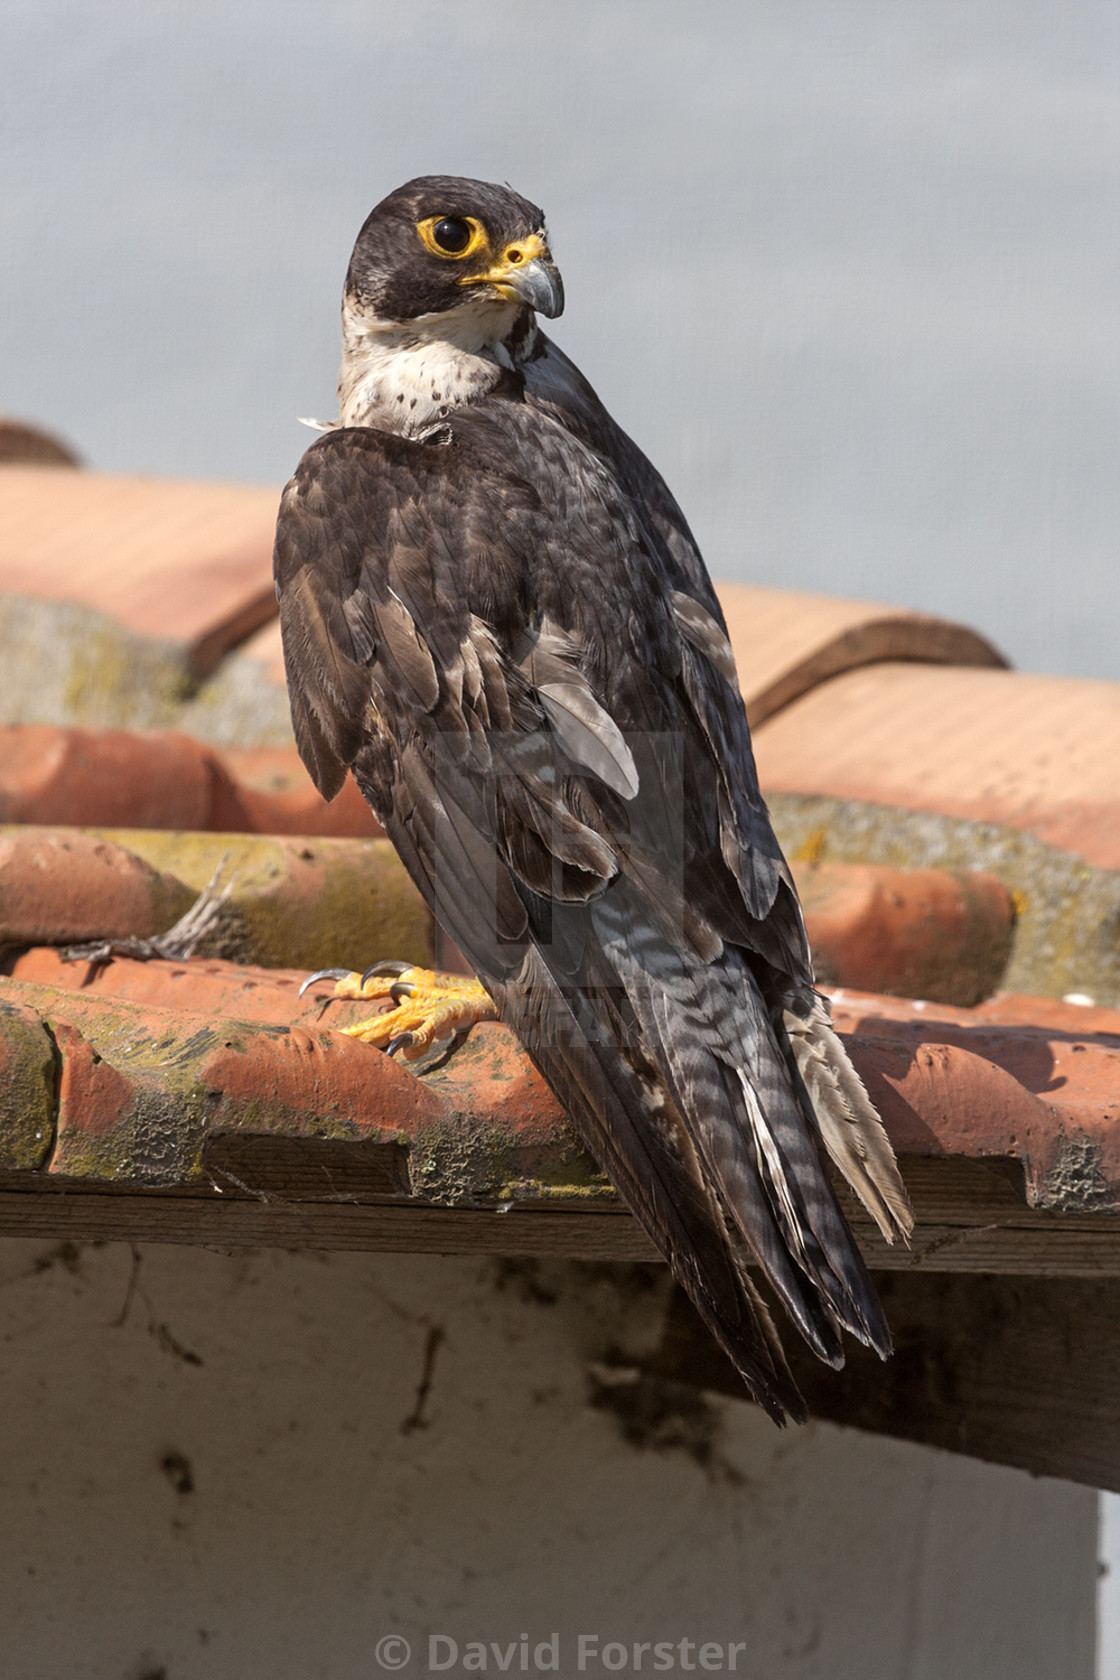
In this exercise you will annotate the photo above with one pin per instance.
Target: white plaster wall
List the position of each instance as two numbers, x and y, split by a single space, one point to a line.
1108 1627
847 270
319 1522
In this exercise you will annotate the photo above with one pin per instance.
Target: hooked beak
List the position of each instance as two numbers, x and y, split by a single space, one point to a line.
525 274
538 284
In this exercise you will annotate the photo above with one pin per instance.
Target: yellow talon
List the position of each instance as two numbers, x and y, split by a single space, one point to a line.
430 1008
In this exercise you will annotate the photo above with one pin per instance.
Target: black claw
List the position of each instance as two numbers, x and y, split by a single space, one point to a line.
324 974
402 989
401 1042
376 970
441 1060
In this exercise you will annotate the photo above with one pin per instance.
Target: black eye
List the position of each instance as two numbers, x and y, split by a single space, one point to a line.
451 235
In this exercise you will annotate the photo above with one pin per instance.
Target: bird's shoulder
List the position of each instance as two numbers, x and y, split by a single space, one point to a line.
557 387
500 507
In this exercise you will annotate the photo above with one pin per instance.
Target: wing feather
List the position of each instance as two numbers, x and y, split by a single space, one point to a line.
402 644
533 685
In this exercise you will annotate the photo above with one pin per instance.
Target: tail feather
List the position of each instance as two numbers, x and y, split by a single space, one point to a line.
656 1170
763 1155
837 1268
849 1127
708 1028
737 1160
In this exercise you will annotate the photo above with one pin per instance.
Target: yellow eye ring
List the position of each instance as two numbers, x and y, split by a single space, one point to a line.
452 237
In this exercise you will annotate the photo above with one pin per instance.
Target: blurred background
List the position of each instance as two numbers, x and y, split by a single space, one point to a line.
847 272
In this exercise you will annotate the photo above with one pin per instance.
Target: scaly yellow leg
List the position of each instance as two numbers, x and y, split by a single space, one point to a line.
430 1008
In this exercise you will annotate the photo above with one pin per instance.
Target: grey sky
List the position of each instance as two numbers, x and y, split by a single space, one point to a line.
847 272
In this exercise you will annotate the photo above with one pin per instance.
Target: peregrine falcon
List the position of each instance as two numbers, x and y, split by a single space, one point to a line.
494 614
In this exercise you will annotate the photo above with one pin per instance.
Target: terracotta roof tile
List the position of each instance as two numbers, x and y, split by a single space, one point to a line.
202 986
110 777
185 561
945 935
1026 1079
950 1083
165 779
787 642
926 933
63 886
310 900
1016 1080
1028 752
275 795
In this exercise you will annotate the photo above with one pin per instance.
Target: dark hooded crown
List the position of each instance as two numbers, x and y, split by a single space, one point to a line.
392 272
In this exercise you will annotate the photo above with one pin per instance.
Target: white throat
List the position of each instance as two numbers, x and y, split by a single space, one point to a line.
405 376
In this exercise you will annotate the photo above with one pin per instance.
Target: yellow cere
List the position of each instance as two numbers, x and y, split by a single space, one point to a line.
512 258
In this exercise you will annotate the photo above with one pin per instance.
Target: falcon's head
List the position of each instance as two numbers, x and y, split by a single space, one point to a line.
441 241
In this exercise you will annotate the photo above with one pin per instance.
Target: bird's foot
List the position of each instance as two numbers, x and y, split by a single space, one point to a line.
430 1009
